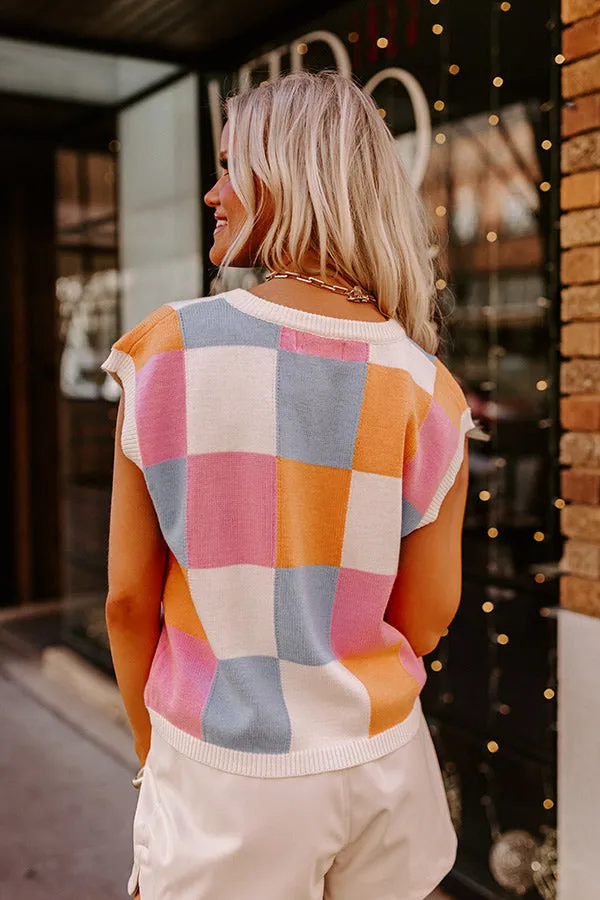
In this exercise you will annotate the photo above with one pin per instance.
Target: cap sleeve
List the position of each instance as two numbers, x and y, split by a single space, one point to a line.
434 450
126 359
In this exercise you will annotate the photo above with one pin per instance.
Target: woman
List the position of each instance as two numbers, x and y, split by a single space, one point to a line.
285 546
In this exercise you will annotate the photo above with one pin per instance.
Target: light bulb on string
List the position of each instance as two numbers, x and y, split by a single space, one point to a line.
454 69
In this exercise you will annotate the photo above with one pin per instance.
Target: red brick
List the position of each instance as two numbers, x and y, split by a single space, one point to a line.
580 449
580 521
581 39
580 302
581 266
580 376
581 339
571 10
580 228
581 153
581 558
580 191
581 115
580 485
581 595
580 413
581 77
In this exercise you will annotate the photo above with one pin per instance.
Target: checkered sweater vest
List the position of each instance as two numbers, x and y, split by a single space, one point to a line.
286 454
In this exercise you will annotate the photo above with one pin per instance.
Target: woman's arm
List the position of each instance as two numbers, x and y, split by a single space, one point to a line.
427 590
136 565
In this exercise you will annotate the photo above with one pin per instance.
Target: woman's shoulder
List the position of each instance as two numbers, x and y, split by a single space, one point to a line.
159 331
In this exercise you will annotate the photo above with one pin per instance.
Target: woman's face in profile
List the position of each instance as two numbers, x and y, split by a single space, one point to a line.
230 215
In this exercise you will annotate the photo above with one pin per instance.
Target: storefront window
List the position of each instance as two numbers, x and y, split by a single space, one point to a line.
87 293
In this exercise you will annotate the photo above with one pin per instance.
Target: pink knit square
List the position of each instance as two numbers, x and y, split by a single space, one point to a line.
231 509
357 626
315 345
160 402
413 664
437 445
180 679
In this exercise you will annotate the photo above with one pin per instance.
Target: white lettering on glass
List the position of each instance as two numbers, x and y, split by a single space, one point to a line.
272 60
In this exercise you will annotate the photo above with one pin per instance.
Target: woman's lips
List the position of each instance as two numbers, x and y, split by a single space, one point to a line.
221 223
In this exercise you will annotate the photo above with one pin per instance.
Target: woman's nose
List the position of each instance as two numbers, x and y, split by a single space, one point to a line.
211 198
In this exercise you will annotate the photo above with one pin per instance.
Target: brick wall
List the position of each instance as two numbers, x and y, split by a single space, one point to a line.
580 307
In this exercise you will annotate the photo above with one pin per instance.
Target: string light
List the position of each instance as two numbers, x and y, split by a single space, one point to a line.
548 804
302 49
436 665
114 146
441 284
540 578
504 709
440 138
503 639
498 81
559 59
439 105
382 112
539 536
440 211
493 119
488 606
382 43
353 37
546 145
541 385
484 495
493 747
491 237
492 532
545 186
454 69
505 6
549 694
434 2
437 28
559 503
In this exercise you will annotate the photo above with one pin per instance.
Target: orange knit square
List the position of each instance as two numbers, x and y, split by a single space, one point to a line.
449 398
421 405
178 605
387 403
158 340
392 690
311 513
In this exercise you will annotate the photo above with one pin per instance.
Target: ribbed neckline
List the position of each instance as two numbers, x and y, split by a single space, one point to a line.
325 326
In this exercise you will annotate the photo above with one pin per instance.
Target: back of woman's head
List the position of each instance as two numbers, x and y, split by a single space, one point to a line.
315 150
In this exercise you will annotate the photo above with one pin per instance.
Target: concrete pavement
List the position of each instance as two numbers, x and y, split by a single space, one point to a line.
66 809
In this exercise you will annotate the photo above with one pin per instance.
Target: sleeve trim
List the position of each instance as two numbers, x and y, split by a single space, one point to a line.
120 364
467 425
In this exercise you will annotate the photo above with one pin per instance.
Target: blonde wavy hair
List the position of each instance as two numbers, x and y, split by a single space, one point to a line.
339 193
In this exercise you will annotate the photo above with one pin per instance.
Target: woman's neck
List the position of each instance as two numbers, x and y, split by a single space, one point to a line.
312 298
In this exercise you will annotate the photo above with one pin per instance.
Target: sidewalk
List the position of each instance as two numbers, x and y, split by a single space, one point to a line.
67 804
65 769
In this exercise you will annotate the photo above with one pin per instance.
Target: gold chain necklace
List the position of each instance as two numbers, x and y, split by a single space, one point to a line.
355 294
